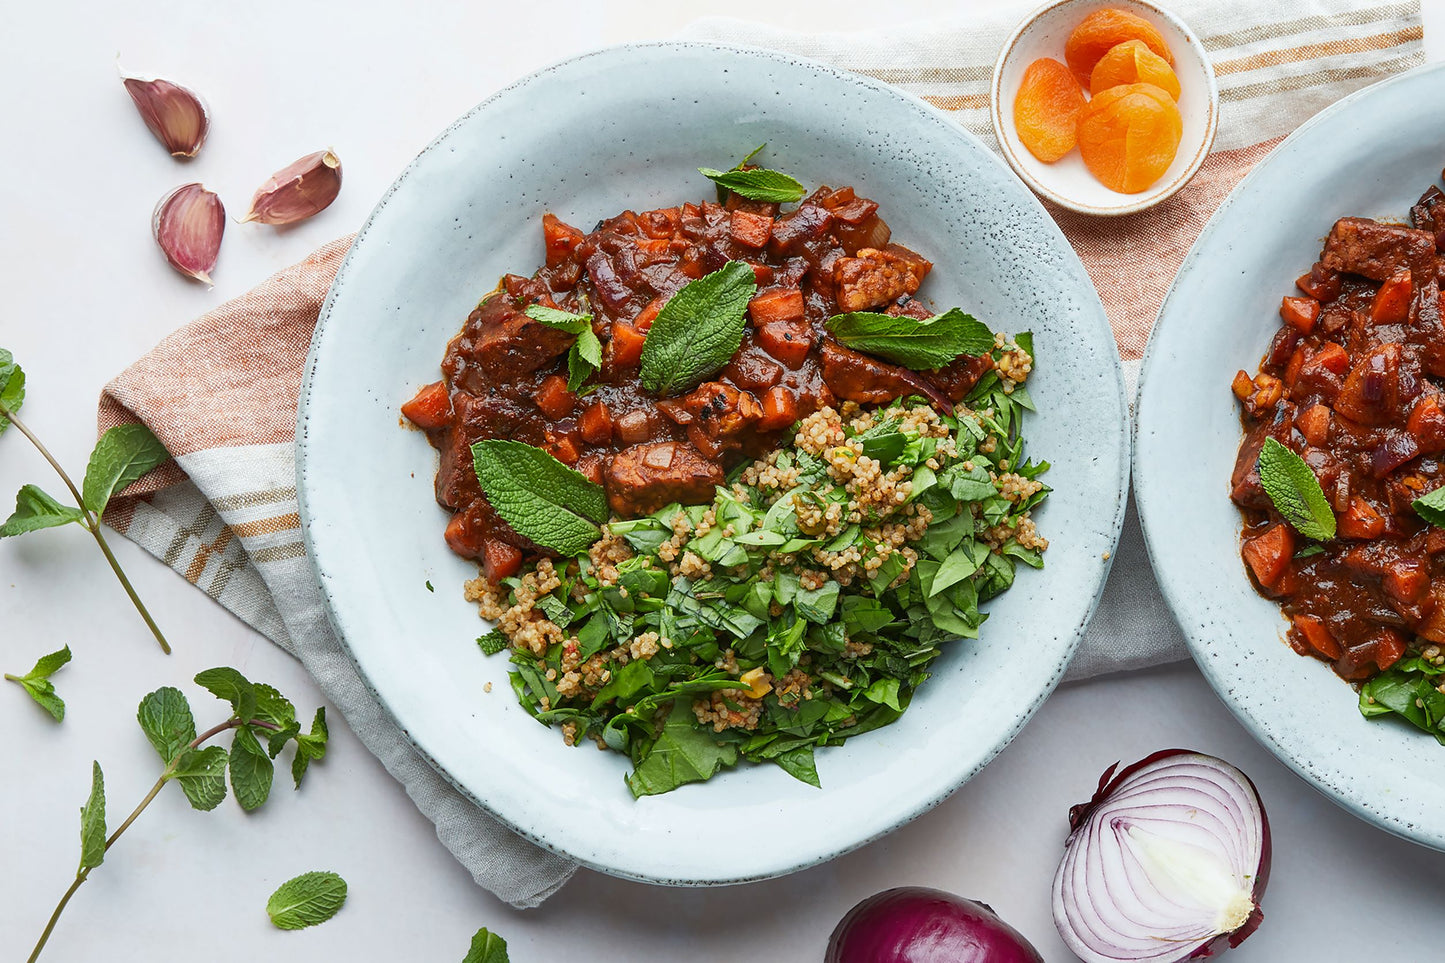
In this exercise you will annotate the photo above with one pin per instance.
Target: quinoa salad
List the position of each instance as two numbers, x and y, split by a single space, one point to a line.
731 483
800 608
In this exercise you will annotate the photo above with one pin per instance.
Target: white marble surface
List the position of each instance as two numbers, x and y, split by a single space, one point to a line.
85 293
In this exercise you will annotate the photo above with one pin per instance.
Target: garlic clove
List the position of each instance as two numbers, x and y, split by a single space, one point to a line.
176 115
302 188
188 224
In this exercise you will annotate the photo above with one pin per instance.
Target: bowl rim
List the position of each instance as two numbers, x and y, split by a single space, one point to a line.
1130 207
1323 774
902 815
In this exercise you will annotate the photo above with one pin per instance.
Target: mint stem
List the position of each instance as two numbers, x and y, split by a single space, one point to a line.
82 875
92 524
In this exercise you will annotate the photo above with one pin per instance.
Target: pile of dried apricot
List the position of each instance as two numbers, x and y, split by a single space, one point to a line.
1128 127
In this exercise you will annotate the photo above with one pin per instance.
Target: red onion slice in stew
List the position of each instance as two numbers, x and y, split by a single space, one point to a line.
1166 863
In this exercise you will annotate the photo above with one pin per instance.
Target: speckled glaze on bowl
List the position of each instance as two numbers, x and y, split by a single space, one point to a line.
1067 181
626 128
1371 154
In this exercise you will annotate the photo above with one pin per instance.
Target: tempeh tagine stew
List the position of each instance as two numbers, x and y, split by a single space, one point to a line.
731 483
1340 473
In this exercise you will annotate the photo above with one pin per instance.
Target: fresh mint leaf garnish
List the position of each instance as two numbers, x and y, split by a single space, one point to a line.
585 356
310 747
915 344
165 717
123 454
202 775
92 822
540 497
1295 491
37 682
1410 689
306 900
698 330
1431 507
251 770
35 510
272 706
226 683
757 183
12 388
487 947
493 642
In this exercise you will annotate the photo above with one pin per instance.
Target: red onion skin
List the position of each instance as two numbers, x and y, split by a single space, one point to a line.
915 924
1080 813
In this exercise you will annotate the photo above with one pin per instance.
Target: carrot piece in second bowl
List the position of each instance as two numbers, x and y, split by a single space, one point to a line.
1046 109
1132 62
1128 136
1101 31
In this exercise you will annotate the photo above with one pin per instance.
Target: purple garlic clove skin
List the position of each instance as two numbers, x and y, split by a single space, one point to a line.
176 115
188 225
304 187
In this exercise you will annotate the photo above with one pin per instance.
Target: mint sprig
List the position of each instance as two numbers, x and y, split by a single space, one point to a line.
200 770
756 183
306 900
584 358
1431 507
1295 491
698 330
37 682
544 500
487 947
122 455
915 344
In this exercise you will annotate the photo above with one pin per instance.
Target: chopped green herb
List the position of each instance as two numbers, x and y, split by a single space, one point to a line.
1431 507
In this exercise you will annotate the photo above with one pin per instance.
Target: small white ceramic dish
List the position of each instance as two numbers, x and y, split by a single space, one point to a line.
627 128
1067 182
1371 154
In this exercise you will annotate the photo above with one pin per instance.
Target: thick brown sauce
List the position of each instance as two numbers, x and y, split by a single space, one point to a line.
1352 383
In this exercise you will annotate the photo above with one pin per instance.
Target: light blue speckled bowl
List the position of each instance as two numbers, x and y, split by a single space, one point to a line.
627 127
1372 154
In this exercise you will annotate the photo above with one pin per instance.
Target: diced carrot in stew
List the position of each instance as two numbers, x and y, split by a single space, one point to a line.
463 535
1314 424
1435 541
750 230
500 560
559 238
780 408
1292 370
1389 648
778 304
1392 301
1361 520
1321 283
554 399
1427 424
564 449
1333 357
1243 386
655 248
1317 634
1300 313
647 315
1268 555
596 424
788 341
431 408
660 223
1407 580
626 345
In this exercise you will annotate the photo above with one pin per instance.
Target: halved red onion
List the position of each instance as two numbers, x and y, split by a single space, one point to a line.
1167 862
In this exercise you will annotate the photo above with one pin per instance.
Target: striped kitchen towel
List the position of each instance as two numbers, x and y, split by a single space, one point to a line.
221 392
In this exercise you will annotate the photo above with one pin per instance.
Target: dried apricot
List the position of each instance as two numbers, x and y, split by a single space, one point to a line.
1132 62
1105 29
1128 136
1046 110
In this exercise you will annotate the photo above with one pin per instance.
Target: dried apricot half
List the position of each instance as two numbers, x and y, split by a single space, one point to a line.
1046 110
1132 62
1105 29
1128 136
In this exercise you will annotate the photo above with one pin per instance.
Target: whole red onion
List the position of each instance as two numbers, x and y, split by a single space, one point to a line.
914 924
